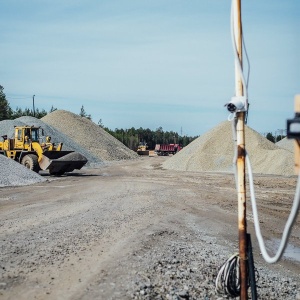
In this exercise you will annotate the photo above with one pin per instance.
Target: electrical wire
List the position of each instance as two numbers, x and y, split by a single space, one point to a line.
288 226
18 97
228 279
291 219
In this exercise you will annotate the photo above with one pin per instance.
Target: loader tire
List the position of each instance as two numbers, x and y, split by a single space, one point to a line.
30 161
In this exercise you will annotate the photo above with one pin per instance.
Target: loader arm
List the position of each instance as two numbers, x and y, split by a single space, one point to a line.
38 149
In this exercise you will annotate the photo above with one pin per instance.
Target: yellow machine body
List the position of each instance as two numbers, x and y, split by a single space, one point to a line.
142 149
27 148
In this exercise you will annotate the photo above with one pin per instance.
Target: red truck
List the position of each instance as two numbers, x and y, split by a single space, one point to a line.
166 149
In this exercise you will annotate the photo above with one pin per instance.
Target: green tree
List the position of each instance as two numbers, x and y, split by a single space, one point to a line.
131 137
28 112
52 109
270 137
84 114
279 138
5 109
100 124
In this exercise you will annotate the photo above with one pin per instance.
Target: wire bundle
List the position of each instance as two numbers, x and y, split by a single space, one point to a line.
228 279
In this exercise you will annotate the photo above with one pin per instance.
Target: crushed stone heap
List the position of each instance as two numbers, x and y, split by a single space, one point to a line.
287 144
91 136
214 150
15 174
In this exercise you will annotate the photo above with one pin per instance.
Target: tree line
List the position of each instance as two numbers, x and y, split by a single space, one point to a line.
133 136
274 138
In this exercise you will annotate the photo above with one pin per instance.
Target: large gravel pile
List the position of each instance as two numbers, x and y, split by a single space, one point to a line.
89 135
15 174
7 127
214 150
287 144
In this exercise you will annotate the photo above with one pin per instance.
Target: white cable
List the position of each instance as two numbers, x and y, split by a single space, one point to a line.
288 226
291 219
289 223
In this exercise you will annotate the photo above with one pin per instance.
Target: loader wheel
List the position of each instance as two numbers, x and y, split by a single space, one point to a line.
30 161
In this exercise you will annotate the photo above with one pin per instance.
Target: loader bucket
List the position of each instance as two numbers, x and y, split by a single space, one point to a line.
143 152
59 162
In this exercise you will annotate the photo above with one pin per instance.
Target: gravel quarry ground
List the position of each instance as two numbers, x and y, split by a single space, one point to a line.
133 230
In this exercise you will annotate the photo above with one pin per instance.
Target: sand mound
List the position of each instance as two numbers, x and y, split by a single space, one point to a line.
287 144
213 151
89 135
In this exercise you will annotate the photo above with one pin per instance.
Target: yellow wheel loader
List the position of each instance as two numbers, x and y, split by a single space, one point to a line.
28 149
142 149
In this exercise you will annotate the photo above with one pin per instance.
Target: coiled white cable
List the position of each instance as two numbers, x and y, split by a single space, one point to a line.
228 279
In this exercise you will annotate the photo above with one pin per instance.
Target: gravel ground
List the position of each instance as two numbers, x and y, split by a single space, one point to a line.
89 135
132 230
214 150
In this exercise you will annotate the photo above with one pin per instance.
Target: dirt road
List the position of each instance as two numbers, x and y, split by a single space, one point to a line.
132 230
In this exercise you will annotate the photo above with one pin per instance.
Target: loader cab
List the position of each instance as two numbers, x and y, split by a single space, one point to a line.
25 135
35 134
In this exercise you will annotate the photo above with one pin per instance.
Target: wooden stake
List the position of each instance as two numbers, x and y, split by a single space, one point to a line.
242 224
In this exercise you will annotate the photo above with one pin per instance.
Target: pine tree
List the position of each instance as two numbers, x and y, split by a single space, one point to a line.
5 109
84 114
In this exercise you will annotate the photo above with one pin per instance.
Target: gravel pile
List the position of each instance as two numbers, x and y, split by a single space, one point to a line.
287 144
214 150
15 174
18 175
89 135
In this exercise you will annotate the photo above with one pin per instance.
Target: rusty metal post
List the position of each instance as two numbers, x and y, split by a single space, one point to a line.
241 170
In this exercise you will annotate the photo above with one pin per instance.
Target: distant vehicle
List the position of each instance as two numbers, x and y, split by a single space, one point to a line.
142 149
28 149
166 149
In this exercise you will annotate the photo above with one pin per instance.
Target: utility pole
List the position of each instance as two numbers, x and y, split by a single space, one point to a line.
33 105
241 170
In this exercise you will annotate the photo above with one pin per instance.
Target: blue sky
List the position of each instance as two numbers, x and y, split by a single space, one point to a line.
138 63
